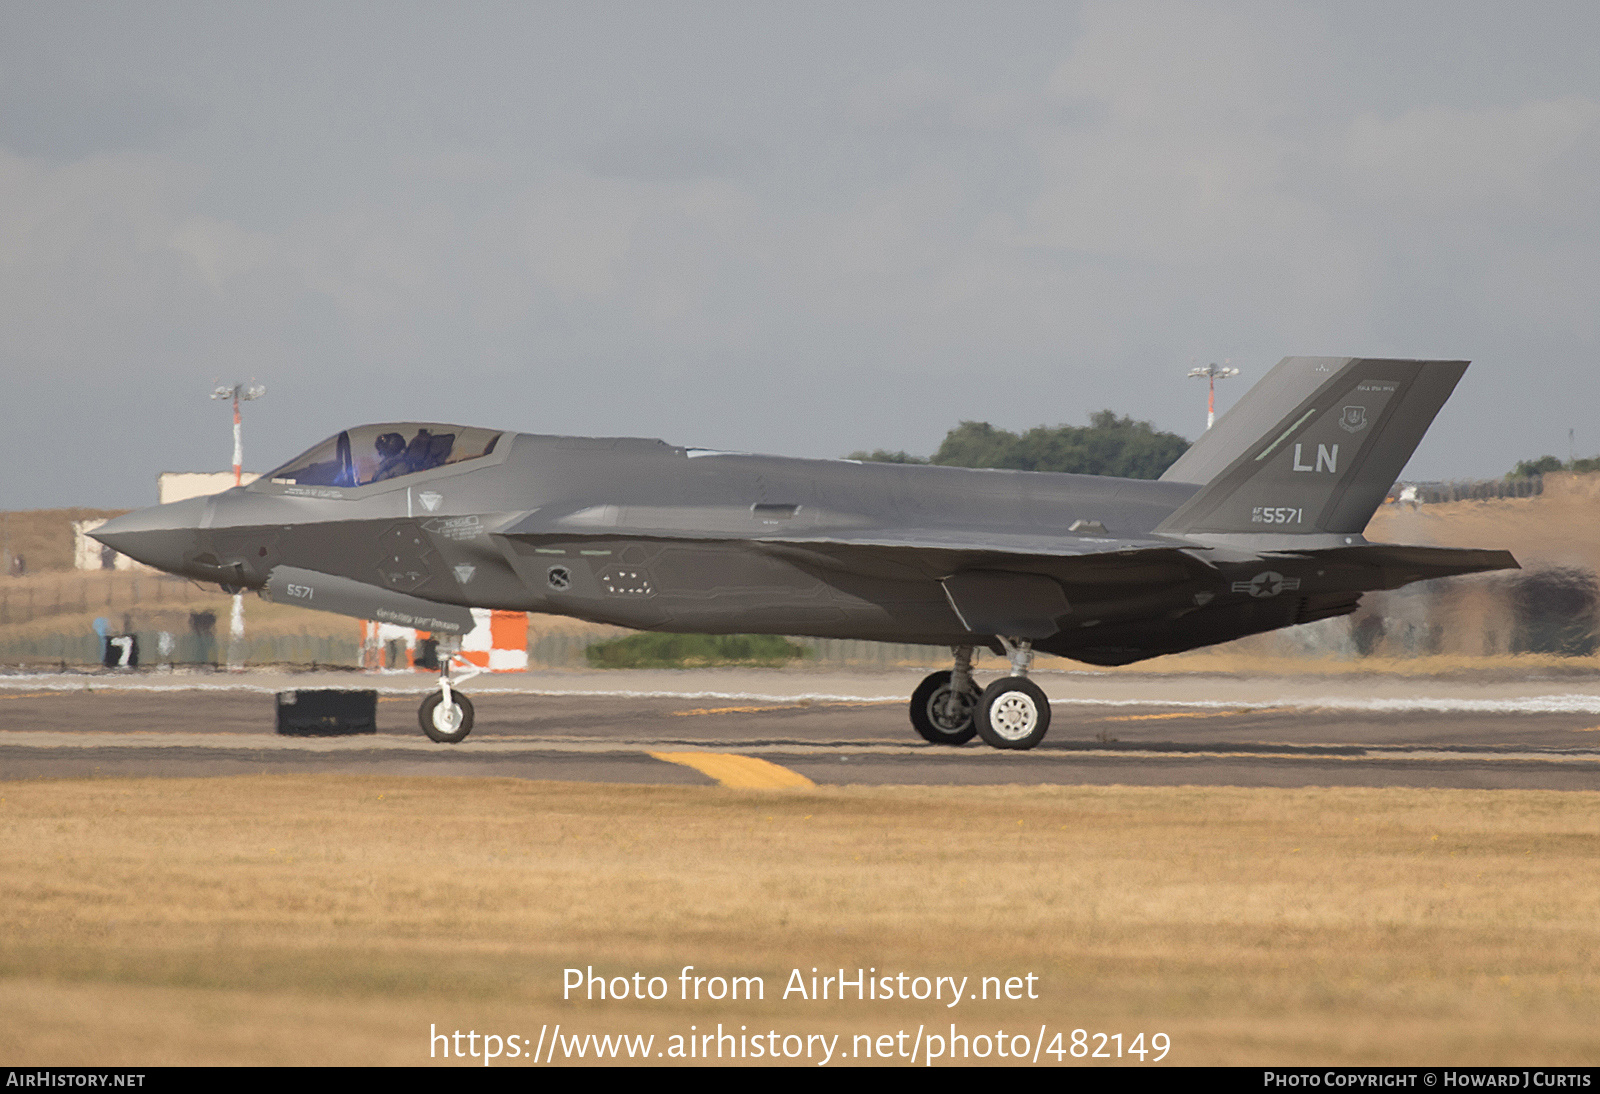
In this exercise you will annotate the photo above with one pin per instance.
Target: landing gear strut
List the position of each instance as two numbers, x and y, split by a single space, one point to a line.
942 705
1013 712
446 715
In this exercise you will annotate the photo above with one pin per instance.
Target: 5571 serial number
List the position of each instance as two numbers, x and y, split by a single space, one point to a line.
1267 515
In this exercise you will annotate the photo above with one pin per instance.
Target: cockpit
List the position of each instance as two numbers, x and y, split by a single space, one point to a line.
374 453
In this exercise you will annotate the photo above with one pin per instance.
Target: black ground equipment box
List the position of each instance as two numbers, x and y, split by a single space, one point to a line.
327 712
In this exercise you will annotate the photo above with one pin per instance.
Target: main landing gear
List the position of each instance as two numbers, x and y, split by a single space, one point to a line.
943 704
948 708
446 714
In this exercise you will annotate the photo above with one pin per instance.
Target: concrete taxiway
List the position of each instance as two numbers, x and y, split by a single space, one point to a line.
791 728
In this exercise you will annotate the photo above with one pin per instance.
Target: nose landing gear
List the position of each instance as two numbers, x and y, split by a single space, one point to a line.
1011 713
446 714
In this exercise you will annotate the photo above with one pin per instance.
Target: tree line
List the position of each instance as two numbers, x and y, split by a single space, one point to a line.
1108 445
1545 465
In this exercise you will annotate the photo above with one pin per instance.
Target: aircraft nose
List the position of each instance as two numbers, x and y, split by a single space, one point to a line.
160 536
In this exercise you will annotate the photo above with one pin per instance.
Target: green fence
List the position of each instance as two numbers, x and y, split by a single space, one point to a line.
184 649
850 652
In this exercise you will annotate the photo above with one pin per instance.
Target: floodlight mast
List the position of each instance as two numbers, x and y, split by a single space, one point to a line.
1213 372
239 393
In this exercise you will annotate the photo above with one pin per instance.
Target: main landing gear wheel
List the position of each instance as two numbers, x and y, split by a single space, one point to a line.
449 725
941 715
1013 713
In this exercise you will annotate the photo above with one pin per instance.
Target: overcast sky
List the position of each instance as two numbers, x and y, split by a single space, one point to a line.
800 228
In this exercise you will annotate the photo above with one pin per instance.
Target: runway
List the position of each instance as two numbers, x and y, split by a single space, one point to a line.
666 727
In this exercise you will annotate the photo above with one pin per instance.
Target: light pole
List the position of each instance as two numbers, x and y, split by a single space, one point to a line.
238 393
1213 372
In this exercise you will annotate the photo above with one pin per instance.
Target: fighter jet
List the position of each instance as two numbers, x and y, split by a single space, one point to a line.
1258 526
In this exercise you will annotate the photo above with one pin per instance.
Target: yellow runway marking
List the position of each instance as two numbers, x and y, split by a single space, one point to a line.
739 771
29 694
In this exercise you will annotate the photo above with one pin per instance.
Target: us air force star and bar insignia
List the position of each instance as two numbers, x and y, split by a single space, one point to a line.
1267 583
1354 419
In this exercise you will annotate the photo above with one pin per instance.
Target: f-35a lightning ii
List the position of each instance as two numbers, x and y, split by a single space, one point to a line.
1258 526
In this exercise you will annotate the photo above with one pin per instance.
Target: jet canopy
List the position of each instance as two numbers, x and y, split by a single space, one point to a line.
374 453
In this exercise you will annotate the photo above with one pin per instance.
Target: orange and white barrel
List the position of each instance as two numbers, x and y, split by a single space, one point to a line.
498 641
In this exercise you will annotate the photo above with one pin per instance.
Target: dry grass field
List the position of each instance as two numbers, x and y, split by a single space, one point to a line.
331 920
43 537
1560 527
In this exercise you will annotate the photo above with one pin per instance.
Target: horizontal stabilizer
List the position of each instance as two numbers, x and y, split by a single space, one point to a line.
1402 564
344 596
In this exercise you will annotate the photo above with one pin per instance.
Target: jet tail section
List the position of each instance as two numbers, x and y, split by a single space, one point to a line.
1313 448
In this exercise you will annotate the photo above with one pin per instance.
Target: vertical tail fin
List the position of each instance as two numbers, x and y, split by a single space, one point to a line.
1313 447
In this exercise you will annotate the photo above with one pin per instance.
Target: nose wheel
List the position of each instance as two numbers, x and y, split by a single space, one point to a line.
446 722
446 714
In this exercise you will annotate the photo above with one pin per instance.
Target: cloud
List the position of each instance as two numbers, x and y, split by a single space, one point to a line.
220 249
907 94
576 232
51 114
1192 67
1436 160
676 157
84 251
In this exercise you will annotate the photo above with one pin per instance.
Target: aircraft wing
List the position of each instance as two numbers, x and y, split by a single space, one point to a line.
1016 582
934 551
1005 543
1017 585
